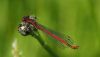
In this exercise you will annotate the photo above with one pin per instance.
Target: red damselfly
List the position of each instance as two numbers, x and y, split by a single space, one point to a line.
30 24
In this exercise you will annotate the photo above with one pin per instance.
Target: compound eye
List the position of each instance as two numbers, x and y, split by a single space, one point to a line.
22 30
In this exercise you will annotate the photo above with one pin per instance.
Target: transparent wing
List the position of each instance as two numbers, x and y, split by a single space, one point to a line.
64 37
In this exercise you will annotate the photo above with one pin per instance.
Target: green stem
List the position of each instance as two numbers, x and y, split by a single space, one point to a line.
44 45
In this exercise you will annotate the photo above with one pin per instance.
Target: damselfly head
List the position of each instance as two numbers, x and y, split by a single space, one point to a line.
24 28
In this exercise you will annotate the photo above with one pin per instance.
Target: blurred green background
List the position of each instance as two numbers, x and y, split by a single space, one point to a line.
78 18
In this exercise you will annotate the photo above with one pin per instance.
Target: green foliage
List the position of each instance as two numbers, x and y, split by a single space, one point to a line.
78 18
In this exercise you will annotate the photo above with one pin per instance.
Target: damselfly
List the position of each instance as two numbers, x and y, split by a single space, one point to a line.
30 24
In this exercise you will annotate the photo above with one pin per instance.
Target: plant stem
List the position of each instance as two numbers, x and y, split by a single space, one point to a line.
44 45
